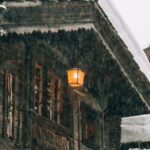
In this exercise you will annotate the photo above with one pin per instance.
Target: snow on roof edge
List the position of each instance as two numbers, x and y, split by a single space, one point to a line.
124 32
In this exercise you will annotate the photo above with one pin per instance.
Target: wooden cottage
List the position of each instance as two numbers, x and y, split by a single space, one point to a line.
38 109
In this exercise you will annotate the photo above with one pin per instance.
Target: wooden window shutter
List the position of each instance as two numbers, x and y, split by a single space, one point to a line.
38 88
9 105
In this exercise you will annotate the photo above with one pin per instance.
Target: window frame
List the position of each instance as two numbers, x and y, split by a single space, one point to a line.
55 100
39 104
5 105
89 124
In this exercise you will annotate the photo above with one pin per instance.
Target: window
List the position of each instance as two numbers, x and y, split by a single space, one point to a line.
54 97
38 88
47 98
88 117
57 99
9 104
67 109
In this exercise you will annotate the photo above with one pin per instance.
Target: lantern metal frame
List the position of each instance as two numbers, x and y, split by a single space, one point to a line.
75 77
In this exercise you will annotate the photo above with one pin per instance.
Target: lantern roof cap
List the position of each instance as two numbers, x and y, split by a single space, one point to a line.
75 68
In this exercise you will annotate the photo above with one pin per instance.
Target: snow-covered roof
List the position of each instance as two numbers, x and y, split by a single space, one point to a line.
128 38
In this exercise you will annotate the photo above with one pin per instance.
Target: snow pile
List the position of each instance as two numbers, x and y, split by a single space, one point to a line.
137 149
125 34
135 129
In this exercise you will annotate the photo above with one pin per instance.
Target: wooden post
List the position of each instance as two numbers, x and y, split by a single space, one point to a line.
78 115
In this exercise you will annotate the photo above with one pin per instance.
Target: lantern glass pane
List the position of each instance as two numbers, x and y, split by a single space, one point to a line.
81 77
75 77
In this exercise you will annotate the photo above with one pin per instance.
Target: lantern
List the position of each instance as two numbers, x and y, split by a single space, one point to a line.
75 77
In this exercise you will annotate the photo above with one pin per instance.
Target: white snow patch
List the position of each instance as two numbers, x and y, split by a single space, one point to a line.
23 4
135 129
52 29
137 149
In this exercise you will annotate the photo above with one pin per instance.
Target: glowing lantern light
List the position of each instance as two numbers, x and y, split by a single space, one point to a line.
75 77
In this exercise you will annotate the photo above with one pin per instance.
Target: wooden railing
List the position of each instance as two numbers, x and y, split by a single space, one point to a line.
48 133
